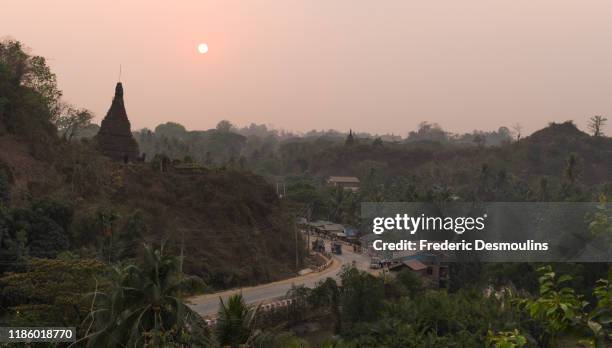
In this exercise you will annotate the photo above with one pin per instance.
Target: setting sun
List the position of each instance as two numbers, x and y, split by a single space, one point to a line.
202 48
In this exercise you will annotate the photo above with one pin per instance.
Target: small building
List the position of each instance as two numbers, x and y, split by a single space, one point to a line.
428 266
350 183
317 226
333 230
415 266
352 234
326 229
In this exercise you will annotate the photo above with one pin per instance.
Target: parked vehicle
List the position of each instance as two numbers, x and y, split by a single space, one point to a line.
375 263
336 248
318 245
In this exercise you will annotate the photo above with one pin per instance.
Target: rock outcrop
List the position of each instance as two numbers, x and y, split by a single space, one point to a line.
115 138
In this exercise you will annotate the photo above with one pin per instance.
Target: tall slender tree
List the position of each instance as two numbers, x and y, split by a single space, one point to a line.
596 124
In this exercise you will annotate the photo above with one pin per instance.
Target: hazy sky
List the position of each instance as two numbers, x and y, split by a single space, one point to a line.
377 66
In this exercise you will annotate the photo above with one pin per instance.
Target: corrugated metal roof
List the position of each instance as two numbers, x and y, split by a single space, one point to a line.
319 223
333 227
351 232
351 179
415 265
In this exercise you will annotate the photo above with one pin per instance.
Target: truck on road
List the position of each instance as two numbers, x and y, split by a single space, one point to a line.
318 245
336 248
375 263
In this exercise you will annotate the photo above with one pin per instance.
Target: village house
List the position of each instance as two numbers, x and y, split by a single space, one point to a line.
429 266
350 183
330 230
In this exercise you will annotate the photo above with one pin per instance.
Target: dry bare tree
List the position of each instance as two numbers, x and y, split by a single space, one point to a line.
596 123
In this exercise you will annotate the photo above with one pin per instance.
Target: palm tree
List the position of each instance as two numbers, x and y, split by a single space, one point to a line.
141 306
336 203
235 322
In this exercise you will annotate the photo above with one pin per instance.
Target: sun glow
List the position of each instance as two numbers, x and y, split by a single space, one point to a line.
202 48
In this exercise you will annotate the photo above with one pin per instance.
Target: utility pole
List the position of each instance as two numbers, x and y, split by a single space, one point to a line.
308 240
110 241
107 224
308 213
182 251
297 258
281 189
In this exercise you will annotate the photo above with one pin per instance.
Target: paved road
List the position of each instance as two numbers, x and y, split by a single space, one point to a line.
207 305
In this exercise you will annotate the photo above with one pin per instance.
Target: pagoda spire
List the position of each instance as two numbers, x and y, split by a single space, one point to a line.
350 140
115 135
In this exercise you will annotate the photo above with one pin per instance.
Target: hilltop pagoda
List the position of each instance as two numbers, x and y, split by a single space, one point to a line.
115 138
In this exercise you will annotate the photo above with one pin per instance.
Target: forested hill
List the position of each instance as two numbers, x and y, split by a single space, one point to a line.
545 153
61 197
318 155
547 150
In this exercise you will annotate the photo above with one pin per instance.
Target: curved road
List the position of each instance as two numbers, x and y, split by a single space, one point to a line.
208 304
